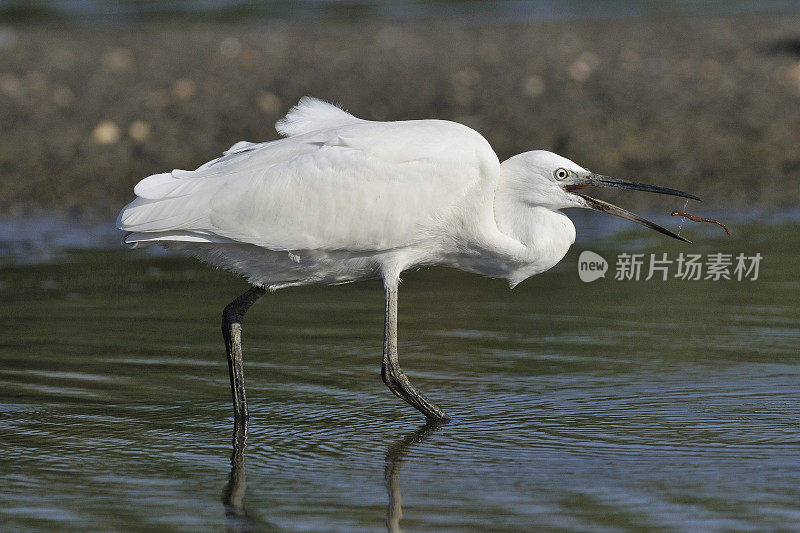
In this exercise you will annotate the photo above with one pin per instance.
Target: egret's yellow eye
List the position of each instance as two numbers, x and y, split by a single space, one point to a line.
561 173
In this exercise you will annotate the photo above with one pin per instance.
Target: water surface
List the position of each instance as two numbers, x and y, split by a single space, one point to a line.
601 406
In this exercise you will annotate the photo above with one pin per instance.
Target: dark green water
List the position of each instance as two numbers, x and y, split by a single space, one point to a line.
585 406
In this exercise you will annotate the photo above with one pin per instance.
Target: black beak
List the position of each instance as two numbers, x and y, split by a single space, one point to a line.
611 209
597 180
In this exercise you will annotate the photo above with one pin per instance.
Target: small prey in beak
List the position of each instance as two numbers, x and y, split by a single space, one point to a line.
573 181
702 219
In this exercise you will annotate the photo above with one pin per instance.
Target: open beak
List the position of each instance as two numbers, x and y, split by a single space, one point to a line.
597 180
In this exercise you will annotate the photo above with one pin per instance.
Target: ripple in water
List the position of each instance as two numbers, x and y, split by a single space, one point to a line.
619 410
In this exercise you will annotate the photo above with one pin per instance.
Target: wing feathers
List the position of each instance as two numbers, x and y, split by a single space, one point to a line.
168 185
241 146
311 115
364 186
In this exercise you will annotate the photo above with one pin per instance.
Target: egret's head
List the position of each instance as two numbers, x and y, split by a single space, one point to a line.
546 179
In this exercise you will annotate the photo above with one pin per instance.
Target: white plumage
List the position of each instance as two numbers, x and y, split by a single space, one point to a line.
342 199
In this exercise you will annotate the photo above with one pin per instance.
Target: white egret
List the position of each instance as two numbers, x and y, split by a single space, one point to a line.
342 199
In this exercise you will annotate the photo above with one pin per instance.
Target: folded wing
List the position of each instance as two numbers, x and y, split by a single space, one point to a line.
347 185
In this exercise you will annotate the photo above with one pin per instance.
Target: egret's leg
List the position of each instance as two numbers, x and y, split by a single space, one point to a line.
391 373
232 318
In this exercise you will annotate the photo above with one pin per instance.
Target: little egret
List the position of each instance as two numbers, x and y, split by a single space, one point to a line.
342 199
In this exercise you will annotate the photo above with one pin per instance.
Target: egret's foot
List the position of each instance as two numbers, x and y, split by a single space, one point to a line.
401 386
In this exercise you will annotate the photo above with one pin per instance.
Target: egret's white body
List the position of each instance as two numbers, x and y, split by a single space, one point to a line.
341 199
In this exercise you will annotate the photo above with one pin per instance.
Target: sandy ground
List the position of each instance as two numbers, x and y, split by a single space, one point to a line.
711 105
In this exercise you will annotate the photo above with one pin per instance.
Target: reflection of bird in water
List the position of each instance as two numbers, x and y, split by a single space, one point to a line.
239 520
237 517
395 457
233 493
342 199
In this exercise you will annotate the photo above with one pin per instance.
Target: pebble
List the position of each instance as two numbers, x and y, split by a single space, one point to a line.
463 82
107 132
630 60
230 47
793 77
183 89
466 77
710 69
250 58
61 58
117 59
10 85
269 102
63 96
8 38
463 96
158 99
36 80
583 67
533 86
139 131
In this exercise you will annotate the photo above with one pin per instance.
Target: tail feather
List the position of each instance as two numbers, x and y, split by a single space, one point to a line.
136 239
162 215
177 206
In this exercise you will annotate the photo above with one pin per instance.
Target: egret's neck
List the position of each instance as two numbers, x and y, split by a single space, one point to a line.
546 234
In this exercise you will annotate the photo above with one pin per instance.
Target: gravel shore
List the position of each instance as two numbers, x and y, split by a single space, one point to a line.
710 105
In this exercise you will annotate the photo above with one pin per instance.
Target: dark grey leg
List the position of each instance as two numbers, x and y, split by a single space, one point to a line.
391 373
232 318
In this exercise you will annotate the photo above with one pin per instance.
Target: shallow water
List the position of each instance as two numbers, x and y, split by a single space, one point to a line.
586 406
